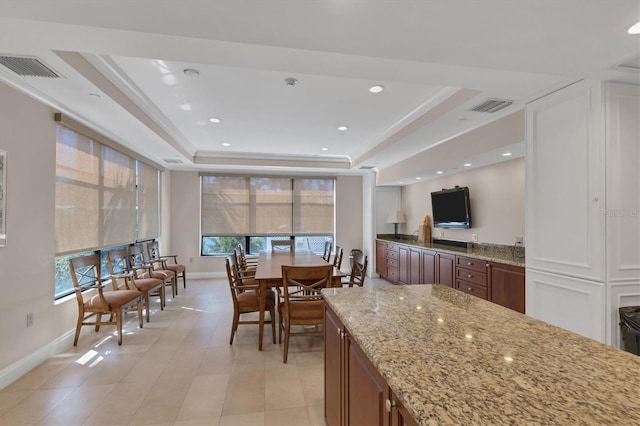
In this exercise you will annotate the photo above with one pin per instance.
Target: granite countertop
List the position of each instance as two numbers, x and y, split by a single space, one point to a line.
510 255
452 358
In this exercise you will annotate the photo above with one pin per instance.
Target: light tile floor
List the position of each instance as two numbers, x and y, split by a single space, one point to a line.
178 370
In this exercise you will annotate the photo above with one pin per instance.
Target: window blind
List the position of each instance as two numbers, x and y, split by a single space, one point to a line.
254 205
96 195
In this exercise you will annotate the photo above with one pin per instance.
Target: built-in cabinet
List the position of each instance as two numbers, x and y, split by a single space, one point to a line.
583 183
499 283
355 392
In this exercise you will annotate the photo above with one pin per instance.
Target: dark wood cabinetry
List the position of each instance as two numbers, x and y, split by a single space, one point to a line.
471 276
429 267
445 268
403 265
399 415
408 264
507 286
355 393
381 258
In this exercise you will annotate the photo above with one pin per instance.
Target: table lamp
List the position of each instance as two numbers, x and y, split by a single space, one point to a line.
396 217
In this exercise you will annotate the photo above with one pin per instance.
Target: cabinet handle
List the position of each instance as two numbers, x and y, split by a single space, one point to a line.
469 289
469 276
389 405
469 263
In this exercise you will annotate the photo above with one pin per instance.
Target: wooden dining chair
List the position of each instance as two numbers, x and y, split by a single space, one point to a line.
246 299
158 269
85 274
326 255
125 276
303 303
282 245
170 262
358 269
337 258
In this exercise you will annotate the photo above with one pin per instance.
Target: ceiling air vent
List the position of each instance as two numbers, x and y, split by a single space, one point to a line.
28 66
366 167
492 105
172 161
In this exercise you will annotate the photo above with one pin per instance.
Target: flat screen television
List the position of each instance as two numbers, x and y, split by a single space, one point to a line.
451 209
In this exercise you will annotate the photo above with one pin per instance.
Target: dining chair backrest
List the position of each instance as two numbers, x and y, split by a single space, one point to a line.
337 259
326 255
358 269
282 245
304 283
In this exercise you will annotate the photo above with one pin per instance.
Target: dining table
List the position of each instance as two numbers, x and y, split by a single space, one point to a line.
269 274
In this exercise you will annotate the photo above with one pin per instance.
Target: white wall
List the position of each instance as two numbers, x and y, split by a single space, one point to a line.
497 203
27 262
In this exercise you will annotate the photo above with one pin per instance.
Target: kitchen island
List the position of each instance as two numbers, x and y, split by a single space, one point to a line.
436 355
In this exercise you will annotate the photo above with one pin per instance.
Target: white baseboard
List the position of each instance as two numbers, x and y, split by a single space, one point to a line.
18 369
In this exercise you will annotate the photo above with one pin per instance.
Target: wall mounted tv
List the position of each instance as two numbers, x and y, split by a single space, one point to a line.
451 209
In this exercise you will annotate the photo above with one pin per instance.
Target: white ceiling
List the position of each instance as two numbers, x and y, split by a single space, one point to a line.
436 59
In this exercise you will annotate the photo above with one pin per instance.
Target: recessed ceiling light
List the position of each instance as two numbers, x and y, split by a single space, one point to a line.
439 172
325 149
507 154
418 178
401 182
634 29
290 81
214 120
467 164
343 128
94 95
226 144
376 89
190 72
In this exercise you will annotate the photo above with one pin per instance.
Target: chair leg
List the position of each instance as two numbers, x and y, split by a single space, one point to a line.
175 281
146 304
98 321
272 312
78 327
234 326
162 296
184 279
119 325
140 324
286 342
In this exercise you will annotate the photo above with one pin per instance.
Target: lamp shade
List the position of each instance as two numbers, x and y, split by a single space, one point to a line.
396 217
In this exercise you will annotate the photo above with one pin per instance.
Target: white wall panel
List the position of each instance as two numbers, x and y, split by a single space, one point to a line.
565 183
623 181
573 304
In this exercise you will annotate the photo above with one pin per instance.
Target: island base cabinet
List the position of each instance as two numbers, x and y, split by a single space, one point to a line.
355 393
333 370
399 415
366 391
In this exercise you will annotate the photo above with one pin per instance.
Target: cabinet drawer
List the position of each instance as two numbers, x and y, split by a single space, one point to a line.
471 263
474 289
471 276
392 275
392 263
392 254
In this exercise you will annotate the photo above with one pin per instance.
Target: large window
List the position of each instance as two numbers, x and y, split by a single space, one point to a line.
104 198
251 210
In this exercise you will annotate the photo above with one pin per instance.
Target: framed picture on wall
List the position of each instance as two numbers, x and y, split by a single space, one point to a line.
3 198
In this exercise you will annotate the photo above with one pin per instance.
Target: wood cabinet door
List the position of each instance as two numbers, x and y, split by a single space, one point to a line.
399 415
366 391
428 267
445 269
415 266
381 258
403 265
333 369
507 286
